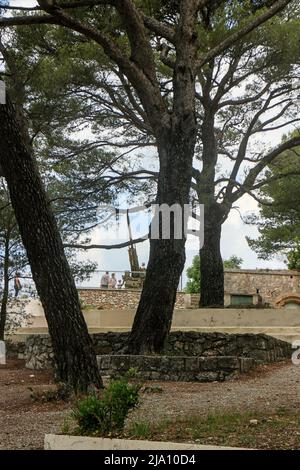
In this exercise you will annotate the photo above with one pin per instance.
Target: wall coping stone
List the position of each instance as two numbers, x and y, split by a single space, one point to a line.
282 272
176 368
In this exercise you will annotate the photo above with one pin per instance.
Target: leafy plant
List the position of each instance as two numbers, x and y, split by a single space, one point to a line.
106 414
194 275
293 257
279 219
141 429
234 262
66 426
131 375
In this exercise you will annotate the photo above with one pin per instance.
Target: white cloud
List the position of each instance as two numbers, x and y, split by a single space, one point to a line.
233 235
23 3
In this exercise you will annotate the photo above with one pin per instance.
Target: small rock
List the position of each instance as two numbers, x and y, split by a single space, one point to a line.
31 376
253 422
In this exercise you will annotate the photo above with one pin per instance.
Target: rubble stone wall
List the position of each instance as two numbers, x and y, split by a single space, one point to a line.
118 299
261 348
270 284
177 368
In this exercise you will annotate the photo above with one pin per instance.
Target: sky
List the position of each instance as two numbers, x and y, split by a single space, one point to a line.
233 234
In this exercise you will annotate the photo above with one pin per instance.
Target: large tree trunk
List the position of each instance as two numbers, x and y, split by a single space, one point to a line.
176 137
5 293
211 263
74 355
153 318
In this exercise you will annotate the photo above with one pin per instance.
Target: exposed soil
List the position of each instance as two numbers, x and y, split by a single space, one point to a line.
265 388
270 393
24 421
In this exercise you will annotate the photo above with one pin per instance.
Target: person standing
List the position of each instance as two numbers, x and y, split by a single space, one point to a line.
17 285
113 281
105 280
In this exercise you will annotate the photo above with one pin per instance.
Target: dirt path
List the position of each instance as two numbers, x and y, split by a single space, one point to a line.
264 389
24 422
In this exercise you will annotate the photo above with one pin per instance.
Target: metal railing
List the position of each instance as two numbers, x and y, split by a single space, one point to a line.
125 279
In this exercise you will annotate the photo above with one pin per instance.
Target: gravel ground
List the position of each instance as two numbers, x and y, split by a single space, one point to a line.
264 389
24 422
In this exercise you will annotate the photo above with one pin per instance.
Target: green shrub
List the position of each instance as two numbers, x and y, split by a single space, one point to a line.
91 415
106 415
132 374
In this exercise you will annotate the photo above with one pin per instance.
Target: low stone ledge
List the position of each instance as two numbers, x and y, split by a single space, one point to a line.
189 344
177 368
63 442
263 348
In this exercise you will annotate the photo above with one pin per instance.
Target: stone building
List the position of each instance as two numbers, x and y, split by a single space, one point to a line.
276 288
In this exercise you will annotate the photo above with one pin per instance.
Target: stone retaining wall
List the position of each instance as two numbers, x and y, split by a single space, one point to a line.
178 368
38 352
15 350
269 284
262 348
120 299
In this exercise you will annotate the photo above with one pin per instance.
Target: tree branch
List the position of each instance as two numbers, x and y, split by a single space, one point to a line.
264 162
28 20
277 6
107 247
63 5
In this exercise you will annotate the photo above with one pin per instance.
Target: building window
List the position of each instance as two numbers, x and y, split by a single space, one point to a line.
236 299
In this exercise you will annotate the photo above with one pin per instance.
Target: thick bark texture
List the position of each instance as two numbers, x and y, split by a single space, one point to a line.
72 345
176 135
153 318
211 263
5 293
